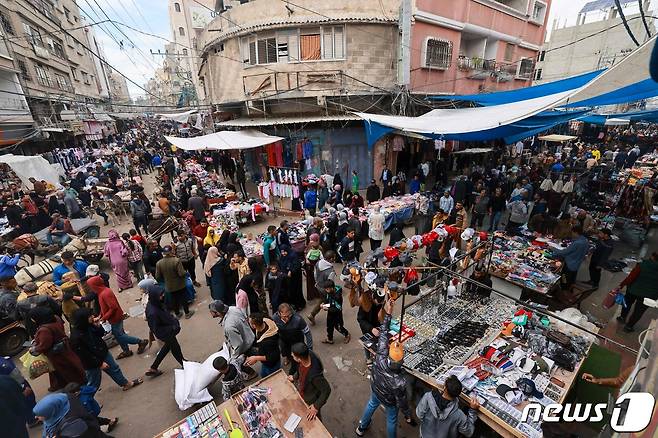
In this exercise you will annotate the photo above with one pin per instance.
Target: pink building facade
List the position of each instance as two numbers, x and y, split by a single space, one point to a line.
474 46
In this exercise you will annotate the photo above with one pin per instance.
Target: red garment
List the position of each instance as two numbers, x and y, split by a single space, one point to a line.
303 372
271 155
111 310
200 231
630 279
67 365
139 239
300 152
278 151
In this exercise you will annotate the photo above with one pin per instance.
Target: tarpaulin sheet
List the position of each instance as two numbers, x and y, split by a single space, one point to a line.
224 140
634 116
33 166
177 117
509 96
398 217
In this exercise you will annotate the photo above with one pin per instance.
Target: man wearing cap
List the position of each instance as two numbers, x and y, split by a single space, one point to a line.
69 264
600 256
388 382
59 231
170 270
31 301
237 332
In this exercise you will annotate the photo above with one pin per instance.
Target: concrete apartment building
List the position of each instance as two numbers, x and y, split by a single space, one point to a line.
471 46
571 51
287 66
60 71
187 19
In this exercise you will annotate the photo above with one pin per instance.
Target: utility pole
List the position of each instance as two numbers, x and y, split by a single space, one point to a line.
404 57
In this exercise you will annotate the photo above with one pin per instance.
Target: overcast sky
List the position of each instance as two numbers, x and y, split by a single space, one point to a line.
140 66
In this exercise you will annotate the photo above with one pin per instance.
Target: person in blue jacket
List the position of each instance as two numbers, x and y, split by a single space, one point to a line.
69 264
8 265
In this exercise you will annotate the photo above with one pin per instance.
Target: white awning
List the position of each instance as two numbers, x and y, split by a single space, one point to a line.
474 151
557 138
617 122
244 123
54 129
177 117
224 140
33 166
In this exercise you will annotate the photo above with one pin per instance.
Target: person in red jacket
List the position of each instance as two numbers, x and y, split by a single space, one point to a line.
112 312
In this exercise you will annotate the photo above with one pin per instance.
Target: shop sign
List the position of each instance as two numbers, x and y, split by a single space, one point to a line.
635 416
77 127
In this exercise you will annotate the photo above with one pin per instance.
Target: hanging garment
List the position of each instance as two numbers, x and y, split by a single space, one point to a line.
278 149
271 155
300 153
307 149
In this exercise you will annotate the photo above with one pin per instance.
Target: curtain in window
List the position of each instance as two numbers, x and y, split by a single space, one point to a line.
310 47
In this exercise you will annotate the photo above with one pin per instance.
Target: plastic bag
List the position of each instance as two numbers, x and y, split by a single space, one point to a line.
610 299
36 365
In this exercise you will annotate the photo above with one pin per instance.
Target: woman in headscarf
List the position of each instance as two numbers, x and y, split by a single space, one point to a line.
51 341
164 327
63 415
292 268
214 267
211 239
117 252
233 246
223 240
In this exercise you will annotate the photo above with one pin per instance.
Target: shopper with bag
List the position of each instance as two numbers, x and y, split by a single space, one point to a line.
641 283
51 341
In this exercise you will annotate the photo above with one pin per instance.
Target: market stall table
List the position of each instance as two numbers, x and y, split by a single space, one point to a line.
522 262
283 401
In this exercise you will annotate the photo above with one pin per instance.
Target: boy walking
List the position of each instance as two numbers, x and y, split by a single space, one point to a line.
333 304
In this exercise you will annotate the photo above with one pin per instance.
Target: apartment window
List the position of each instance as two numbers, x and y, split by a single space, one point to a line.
539 12
438 53
177 7
542 55
67 14
259 50
42 76
509 52
333 42
74 73
181 31
538 74
63 82
6 23
184 52
25 73
526 68
85 78
33 35
310 45
56 48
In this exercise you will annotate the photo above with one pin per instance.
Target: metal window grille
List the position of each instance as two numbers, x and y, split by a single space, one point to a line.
438 54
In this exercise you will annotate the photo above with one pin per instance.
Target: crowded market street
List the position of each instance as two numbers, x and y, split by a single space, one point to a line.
305 219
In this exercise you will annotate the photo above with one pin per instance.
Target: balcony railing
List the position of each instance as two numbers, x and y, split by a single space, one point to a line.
467 63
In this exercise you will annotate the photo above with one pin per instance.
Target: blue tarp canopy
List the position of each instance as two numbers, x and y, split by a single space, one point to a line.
634 116
509 96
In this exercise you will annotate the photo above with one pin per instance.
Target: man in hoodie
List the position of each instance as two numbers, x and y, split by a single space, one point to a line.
112 312
292 330
440 416
237 333
324 270
266 347
164 327
388 383
309 379
139 210
87 342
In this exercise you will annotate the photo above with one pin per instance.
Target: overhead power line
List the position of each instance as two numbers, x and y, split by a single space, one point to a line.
623 20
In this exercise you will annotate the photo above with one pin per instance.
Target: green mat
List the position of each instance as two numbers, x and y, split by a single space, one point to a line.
600 362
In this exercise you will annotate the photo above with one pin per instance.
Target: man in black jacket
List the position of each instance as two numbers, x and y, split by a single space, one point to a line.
309 379
602 252
387 383
87 342
266 347
349 248
292 330
372 192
